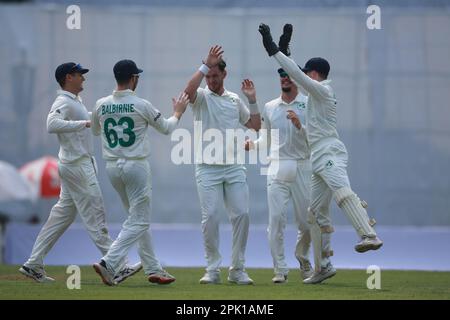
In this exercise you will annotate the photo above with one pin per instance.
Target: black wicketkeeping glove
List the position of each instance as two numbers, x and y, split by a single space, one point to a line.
285 38
268 43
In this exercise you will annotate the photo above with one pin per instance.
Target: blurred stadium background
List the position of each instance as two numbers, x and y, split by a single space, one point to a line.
392 87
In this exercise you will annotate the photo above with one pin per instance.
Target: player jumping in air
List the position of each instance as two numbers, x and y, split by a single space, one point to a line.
328 156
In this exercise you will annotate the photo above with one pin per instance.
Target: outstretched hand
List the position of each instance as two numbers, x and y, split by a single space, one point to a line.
180 104
214 56
285 39
248 89
264 29
268 43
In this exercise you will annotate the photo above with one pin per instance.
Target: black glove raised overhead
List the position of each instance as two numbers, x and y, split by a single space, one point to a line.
268 43
285 38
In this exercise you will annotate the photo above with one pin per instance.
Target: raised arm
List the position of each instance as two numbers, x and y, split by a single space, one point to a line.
248 89
163 125
312 86
263 142
213 58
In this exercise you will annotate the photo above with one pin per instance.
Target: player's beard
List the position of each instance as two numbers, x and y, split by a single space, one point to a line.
287 90
134 85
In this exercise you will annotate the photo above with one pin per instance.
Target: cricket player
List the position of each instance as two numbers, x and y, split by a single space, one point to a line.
80 191
123 119
217 109
328 154
289 174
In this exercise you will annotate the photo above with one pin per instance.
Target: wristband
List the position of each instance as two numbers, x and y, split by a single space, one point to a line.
203 69
253 108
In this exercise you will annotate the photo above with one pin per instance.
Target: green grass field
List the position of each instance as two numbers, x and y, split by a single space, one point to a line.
347 284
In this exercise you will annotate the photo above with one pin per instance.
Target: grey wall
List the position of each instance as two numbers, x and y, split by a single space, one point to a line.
392 87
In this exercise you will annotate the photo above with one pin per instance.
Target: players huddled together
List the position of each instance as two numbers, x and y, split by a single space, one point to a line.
309 167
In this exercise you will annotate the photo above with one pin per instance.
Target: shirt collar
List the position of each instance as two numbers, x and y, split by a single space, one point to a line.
122 93
327 81
69 94
297 99
225 92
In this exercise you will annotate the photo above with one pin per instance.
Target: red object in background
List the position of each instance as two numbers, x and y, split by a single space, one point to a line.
43 176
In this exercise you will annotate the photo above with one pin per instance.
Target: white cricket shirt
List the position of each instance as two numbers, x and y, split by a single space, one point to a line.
321 106
284 140
122 119
67 118
213 116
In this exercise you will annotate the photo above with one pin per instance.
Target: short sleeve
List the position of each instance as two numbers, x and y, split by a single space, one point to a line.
199 99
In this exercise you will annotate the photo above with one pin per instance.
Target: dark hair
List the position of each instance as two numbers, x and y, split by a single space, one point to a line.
320 65
222 65
61 81
124 79
323 75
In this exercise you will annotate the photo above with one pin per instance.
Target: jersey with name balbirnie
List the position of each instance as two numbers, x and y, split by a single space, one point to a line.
122 119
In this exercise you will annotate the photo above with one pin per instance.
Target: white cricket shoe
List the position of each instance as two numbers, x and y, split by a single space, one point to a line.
210 278
127 272
37 274
325 273
280 278
104 273
239 277
161 277
368 243
306 269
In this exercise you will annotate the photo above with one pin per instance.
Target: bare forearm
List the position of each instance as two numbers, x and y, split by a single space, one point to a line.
177 115
254 122
193 84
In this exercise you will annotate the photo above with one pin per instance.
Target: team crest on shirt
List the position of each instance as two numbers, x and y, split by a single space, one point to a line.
233 100
329 164
301 105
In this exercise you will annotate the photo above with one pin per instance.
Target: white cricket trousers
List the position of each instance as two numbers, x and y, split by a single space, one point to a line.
217 184
279 191
132 180
329 164
80 192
